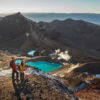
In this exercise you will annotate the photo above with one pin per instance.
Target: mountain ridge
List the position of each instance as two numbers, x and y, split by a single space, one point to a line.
53 35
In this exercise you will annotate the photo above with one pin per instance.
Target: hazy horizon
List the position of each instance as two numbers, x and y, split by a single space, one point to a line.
47 13
50 6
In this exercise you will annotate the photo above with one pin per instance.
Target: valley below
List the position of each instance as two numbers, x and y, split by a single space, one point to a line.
70 82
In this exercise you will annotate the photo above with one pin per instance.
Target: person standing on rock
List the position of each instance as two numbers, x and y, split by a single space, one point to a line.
14 69
22 68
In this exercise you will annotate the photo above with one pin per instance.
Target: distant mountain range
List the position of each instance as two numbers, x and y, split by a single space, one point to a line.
18 32
47 17
93 18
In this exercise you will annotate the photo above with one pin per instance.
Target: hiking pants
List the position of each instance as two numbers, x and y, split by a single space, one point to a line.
14 72
22 78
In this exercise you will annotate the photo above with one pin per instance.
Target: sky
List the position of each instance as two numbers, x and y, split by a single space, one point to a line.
52 6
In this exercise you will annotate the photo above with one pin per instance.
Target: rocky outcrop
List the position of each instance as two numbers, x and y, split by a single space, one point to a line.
13 29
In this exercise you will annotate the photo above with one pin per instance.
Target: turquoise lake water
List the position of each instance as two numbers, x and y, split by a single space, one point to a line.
18 61
43 65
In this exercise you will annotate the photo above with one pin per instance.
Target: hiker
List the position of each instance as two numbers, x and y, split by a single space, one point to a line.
22 68
14 69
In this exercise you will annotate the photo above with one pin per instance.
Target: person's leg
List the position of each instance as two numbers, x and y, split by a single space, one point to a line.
16 75
22 78
14 72
12 75
13 80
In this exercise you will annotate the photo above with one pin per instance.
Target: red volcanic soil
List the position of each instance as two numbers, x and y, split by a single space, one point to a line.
90 93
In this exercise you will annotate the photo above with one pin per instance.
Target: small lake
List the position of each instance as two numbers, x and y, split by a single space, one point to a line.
43 65
18 61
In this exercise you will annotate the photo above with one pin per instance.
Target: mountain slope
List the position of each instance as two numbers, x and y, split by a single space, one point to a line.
76 32
18 32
